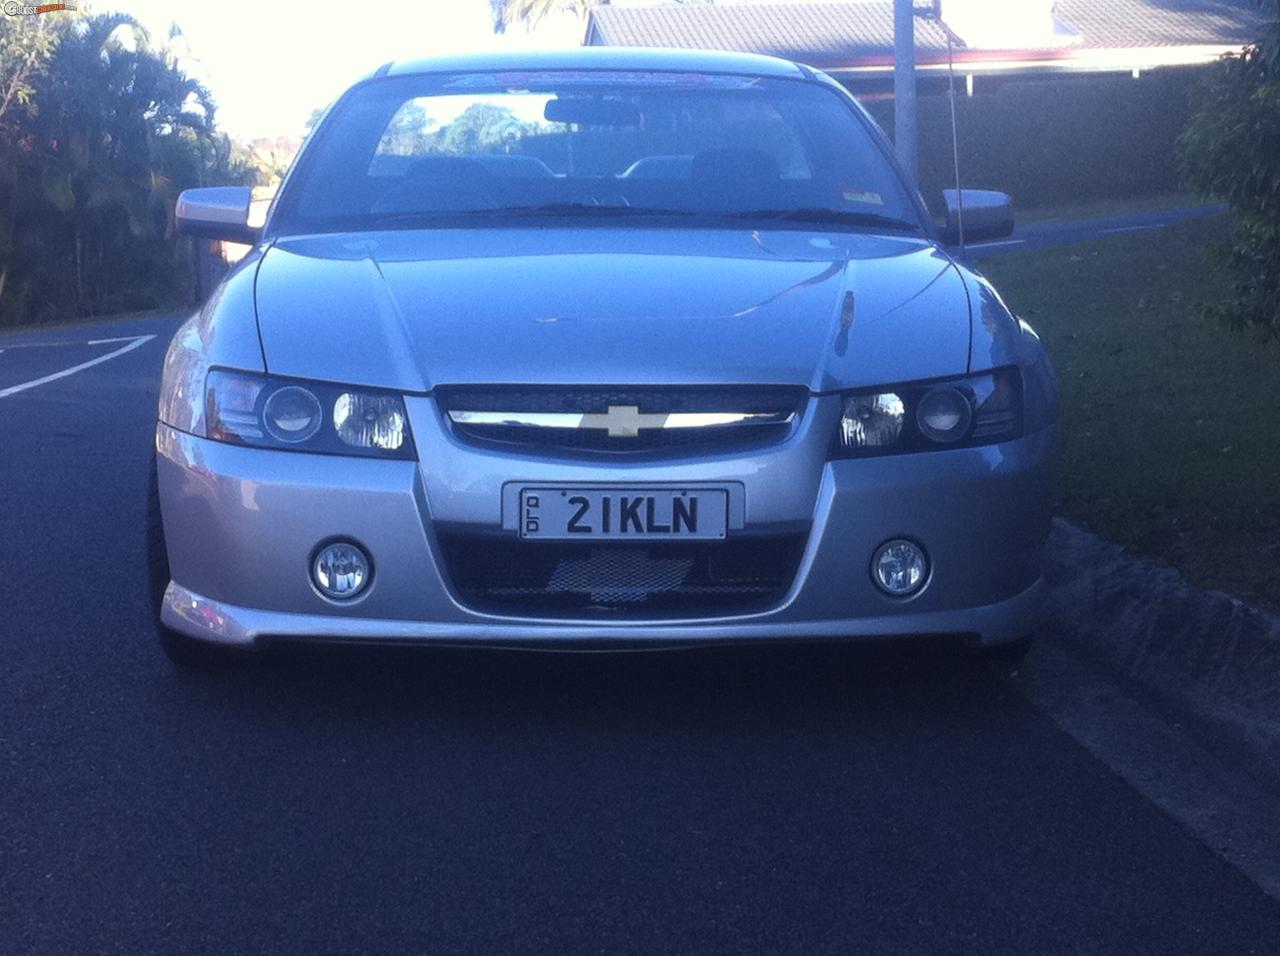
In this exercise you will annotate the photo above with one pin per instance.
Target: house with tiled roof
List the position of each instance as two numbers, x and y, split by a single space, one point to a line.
853 40
1068 100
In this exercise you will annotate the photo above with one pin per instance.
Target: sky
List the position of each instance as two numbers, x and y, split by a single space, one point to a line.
269 64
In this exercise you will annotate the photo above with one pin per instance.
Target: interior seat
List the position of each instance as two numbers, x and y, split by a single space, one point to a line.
440 184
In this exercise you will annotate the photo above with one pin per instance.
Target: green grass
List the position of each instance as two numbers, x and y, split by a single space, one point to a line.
1170 436
1099 208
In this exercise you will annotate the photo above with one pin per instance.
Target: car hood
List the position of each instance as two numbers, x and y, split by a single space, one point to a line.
412 310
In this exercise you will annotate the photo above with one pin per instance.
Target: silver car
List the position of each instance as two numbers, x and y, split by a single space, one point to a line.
601 349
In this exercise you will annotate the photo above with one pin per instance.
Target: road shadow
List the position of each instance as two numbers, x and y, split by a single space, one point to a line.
673 691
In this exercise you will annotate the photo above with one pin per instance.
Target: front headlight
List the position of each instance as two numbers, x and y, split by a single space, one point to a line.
974 410
318 417
872 421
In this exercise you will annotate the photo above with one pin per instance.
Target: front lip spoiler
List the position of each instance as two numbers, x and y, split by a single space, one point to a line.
205 619
589 648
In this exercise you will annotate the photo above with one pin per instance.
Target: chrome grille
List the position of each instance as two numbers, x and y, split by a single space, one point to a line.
630 419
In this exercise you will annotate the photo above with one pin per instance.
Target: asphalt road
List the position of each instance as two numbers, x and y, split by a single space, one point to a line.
778 800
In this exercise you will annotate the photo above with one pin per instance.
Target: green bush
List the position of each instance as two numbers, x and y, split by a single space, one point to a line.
1231 151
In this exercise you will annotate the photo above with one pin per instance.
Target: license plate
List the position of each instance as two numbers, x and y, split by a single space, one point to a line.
595 513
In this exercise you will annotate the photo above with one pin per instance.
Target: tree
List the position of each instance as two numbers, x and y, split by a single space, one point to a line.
111 103
408 133
1231 151
271 157
25 46
529 13
26 43
313 119
482 128
110 130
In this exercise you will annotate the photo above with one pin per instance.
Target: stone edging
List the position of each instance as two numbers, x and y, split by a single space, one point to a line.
1205 654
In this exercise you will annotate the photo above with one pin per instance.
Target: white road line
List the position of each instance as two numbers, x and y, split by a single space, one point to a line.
119 338
66 344
134 342
1159 225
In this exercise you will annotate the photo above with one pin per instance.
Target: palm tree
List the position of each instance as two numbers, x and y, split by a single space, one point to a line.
531 12
124 126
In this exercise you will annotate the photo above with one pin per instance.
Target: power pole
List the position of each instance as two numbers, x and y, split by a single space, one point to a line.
904 86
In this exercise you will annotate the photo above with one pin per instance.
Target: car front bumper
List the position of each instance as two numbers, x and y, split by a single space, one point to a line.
241 525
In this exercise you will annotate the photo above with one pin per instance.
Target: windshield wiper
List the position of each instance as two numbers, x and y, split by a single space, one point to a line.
814 214
430 217
820 214
590 209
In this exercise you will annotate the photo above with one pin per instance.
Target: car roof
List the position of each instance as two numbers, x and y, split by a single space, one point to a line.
601 58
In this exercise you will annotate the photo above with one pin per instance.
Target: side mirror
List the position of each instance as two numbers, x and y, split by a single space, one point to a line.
987 215
217 212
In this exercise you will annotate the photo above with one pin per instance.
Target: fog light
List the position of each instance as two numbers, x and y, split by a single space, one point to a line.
899 567
340 570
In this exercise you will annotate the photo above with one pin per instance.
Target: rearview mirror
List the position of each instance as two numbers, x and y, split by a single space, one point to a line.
591 111
987 215
217 212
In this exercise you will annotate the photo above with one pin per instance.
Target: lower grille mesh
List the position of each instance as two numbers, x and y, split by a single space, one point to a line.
545 578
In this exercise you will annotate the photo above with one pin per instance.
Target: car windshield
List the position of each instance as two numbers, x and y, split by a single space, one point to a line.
603 145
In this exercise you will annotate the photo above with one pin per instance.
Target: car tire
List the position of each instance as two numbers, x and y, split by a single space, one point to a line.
1010 652
186 653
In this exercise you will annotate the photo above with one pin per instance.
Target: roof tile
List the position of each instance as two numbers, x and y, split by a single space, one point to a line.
829 33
